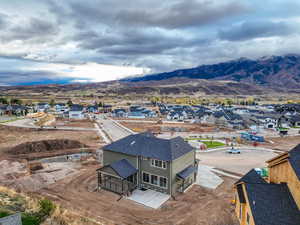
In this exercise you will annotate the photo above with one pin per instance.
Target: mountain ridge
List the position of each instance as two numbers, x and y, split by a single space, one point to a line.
266 71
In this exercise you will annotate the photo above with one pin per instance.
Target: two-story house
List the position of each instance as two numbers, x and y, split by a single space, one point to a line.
274 201
146 162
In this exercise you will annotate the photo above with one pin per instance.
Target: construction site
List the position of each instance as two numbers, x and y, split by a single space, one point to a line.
57 158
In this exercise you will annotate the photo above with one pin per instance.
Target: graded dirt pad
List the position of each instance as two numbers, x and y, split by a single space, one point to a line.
16 175
197 206
283 143
13 136
61 122
154 127
45 146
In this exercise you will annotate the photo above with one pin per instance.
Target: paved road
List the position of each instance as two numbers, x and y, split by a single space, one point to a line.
29 123
114 131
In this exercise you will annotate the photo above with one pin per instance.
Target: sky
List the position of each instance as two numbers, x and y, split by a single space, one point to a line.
55 41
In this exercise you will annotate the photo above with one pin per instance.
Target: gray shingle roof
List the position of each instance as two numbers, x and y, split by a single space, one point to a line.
14 219
294 159
187 172
252 177
272 204
123 168
147 145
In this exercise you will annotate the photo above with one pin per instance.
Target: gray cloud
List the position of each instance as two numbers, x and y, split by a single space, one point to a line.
32 29
168 15
256 29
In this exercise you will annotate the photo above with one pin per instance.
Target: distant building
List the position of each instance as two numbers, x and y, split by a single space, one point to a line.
76 112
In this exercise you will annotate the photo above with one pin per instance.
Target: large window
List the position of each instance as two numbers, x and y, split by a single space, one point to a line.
146 177
155 180
163 182
159 163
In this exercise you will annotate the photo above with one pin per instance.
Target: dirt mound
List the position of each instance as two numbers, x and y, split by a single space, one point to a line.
45 146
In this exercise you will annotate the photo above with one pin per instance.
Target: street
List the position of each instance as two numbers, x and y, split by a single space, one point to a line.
114 131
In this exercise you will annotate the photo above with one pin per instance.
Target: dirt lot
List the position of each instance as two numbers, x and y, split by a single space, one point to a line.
154 127
197 206
283 143
12 136
62 122
236 163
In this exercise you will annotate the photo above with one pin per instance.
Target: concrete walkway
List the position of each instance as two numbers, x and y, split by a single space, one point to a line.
207 178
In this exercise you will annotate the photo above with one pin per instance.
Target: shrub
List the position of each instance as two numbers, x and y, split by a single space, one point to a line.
30 219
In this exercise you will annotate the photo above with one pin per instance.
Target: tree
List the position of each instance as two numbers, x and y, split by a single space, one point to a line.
16 101
70 103
52 102
3 101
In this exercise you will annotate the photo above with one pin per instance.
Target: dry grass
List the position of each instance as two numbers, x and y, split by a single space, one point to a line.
60 216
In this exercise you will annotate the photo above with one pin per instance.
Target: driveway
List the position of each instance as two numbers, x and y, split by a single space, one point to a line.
236 163
114 130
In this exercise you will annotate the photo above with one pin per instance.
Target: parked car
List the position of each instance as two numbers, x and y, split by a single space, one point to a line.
233 151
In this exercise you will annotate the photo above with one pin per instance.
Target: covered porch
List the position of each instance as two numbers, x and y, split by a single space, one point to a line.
119 177
186 178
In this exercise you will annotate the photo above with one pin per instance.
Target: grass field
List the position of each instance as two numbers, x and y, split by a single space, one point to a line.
213 144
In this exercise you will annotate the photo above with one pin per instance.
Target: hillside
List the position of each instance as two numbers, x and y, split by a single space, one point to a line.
267 75
275 71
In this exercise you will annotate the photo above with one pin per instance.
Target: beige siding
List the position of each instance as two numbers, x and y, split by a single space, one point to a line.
110 157
179 165
284 172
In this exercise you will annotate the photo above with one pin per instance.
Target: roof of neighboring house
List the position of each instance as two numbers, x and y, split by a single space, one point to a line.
123 168
187 172
294 159
14 219
252 177
147 145
76 108
272 204
295 118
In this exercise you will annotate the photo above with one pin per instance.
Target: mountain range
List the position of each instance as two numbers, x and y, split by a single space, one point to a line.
274 72
264 76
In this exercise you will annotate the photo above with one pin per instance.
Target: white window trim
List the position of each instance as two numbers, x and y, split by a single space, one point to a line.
162 163
158 179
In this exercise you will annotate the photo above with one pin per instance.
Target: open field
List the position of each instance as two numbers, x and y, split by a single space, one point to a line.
156 127
236 163
197 206
61 122
283 143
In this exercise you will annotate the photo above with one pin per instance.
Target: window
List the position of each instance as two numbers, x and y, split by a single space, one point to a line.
163 182
154 180
146 177
159 163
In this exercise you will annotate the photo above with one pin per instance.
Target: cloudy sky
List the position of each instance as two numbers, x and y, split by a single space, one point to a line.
55 41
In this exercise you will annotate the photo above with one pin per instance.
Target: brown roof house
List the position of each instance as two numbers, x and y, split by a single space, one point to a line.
274 201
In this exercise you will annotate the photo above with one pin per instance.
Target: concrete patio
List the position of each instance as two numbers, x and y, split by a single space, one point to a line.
150 198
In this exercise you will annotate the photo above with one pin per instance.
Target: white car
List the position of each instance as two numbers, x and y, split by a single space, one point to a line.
233 151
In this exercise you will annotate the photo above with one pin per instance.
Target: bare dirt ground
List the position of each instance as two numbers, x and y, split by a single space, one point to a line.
237 163
283 143
142 127
197 206
12 136
62 122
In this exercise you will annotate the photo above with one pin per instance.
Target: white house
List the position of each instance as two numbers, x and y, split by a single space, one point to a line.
76 112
